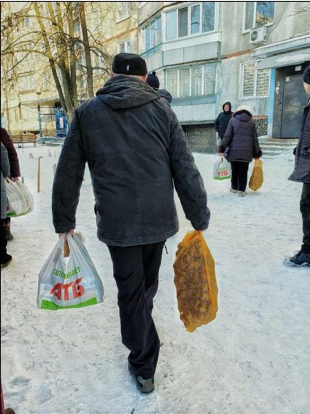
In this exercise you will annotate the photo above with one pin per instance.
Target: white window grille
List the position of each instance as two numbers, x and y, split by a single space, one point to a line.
191 81
255 83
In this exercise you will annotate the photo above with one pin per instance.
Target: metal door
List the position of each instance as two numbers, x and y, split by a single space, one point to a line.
293 102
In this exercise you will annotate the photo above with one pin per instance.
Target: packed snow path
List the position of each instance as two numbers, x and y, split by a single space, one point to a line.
253 359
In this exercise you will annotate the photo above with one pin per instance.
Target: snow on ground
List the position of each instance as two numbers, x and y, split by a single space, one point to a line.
253 359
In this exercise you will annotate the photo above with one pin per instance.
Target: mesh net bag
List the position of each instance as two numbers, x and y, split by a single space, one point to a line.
257 177
195 281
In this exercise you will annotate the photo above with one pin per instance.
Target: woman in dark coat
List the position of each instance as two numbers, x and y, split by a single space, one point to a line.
15 171
240 145
301 174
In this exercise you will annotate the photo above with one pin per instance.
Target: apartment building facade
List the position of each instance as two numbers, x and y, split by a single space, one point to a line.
248 53
204 53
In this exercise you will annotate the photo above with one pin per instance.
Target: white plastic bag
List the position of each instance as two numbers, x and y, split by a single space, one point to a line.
73 285
18 205
221 169
27 194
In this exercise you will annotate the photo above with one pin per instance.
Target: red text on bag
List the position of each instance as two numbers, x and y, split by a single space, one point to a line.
61 289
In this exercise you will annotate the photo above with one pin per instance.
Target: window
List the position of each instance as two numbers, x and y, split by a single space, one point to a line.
191 81
208 16
264 13
258 14
151 35
124 47
184 82
101 63
209 79
196 81
123 10
195 19
183 22
77 29
26 83
96 17
254 82
191 20
27 22
172 82
262 88
171 25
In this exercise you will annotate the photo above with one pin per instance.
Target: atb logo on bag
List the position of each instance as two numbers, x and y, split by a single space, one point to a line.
61 290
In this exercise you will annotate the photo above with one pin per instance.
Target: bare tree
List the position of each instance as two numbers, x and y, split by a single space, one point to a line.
56 40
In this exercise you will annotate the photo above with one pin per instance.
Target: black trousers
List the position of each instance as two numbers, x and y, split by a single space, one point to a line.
3 241
239 175
305 212
136 271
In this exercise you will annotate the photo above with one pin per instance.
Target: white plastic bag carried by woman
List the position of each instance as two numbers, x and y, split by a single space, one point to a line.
18 205
27 194
73 285
221 169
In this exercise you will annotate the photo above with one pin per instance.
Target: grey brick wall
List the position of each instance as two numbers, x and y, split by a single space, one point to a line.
261 126
201 138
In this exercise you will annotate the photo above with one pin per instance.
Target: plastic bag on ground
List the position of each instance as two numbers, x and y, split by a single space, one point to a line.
27 194
18 205
221 169
195 281
257 177
73 285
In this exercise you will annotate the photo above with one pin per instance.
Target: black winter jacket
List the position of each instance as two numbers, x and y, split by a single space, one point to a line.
222 121
240 140
302 157
136 152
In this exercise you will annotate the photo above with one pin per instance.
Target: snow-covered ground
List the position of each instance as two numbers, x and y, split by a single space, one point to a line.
253 359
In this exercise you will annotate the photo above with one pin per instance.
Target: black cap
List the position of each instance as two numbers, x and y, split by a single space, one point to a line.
129 64
153 80
306 76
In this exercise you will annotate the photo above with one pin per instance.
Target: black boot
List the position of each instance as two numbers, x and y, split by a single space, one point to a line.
6 260
145 386
301 259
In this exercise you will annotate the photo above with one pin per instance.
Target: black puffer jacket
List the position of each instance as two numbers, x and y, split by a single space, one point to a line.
163 93
240 140
222 120
302 157
136 152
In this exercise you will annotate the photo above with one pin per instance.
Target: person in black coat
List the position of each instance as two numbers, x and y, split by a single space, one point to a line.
301 174
240 145
221 122
154 83
137 155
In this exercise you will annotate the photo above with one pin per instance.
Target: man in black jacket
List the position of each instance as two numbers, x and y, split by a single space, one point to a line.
301 174
223 119
137 153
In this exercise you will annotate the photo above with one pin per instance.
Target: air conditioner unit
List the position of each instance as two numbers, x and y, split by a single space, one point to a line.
258 35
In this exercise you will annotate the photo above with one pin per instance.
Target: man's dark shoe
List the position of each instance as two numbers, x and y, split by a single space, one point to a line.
145 386
9 411
300 259
6 260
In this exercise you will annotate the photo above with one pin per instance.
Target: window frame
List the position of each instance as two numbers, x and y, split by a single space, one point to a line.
255 82
189 6
191 67
142 32
128 12
244 30
124 42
